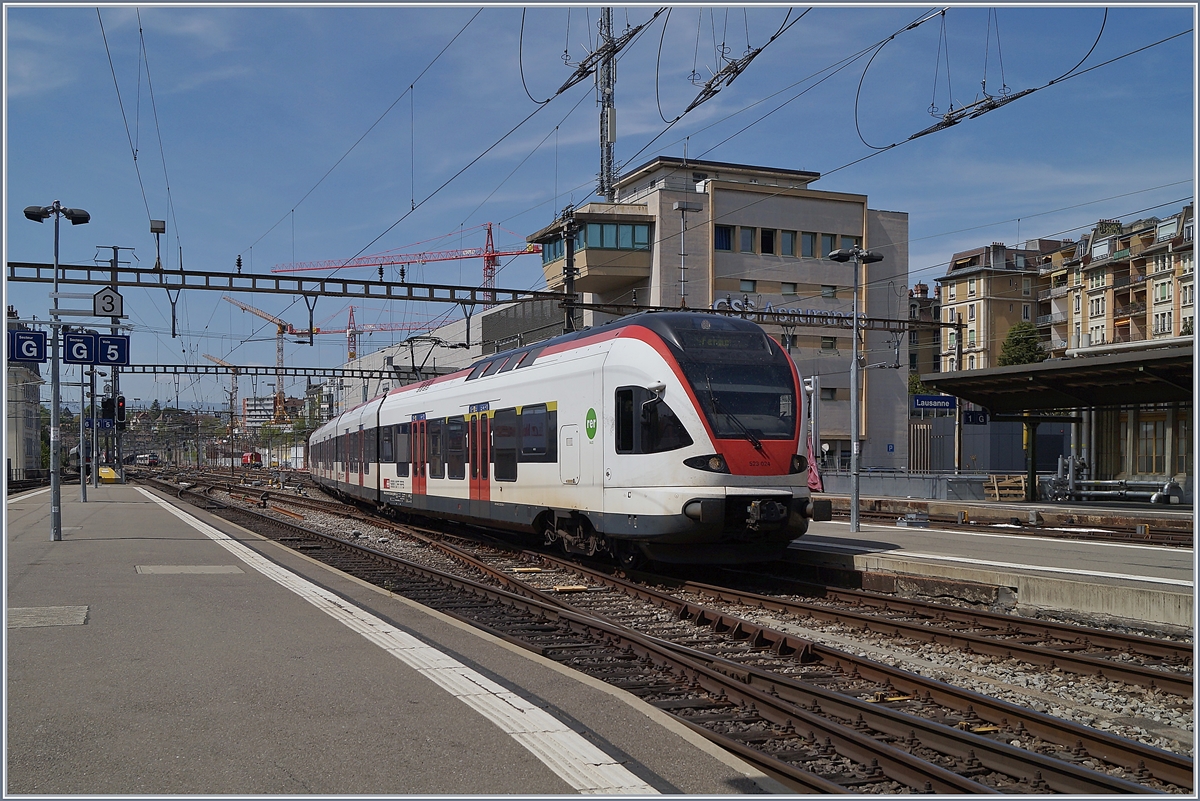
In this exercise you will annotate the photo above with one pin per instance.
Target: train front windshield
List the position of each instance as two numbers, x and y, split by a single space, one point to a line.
744 385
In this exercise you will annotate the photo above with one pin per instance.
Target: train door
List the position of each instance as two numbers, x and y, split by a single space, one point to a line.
417 445
568 454
479 442
362 454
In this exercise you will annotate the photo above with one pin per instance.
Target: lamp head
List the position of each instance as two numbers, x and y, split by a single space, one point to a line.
870 257
77 216
37 213
841 254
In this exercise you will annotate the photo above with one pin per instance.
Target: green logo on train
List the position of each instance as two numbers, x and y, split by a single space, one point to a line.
589 424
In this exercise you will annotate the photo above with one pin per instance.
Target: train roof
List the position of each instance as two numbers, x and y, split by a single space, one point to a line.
666 324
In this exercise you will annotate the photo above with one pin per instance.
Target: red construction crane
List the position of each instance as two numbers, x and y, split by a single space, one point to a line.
489 254
281 328
352 331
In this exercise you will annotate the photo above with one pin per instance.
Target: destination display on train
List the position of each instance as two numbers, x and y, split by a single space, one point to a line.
721 340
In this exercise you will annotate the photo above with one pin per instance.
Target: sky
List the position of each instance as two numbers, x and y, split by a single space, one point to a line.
295 134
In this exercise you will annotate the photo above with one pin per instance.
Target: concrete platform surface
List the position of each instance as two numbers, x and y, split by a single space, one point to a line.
1139 583
154 651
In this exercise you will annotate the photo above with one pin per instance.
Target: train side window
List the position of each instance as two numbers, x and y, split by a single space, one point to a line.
646 424
355 438
538 436
511 363
370 448
402 449
456 447
530 357
624 438
504 444
437 442
494 367
386 454
477 370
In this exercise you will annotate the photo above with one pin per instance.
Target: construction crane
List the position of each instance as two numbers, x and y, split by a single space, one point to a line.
233 391
491 259
352 331
281 328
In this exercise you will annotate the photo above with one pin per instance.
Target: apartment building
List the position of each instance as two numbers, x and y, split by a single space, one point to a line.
1120 287
22 417
989 289
924 344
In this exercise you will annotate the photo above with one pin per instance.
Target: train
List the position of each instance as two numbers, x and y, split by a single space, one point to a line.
668 437
252 459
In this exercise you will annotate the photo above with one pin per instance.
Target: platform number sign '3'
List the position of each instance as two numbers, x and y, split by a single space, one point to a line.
589 423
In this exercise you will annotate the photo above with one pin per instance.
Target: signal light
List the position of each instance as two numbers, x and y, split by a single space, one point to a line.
107 408
120 408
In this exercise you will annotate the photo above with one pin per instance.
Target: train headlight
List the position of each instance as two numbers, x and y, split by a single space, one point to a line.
799 463
713 464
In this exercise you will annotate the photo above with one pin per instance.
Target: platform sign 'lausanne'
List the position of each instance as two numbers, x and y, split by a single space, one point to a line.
934 402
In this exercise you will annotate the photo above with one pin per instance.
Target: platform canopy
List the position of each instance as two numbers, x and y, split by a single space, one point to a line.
1158 375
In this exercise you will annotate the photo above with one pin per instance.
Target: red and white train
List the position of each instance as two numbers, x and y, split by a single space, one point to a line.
669 436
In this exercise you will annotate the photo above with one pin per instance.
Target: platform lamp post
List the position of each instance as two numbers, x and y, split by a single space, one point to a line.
77 217
859 257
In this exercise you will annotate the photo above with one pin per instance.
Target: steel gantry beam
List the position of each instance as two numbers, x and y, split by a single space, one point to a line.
312 287
403 373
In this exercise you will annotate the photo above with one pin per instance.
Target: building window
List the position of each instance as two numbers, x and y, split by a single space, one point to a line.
913 311
1186 264
1026 311
828 393
951 339
970 337
808 245
971 311
787 288
914 337
971 362
912 362
747 286
828 244
1026 286
828 291
1101 249
1162 323
1162 291
850 242
613 236
951 289
971 288
828 343
787 243
722 237
1096 279
1151 446
1162 263
766 242
1078 301
747 240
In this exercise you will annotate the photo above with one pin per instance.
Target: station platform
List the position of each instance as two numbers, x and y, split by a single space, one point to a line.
157 650
1121 581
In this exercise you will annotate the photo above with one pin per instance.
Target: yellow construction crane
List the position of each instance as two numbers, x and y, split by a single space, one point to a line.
281 328
233 391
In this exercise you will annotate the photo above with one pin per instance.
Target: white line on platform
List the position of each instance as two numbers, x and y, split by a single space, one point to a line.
1033 538
33 494
985 563
577 761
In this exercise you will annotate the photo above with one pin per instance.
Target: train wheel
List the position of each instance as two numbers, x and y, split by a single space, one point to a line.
629 556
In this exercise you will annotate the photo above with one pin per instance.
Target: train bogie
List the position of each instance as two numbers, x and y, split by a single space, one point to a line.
670 436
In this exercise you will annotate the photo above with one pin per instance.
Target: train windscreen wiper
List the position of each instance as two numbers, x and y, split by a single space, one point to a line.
712 395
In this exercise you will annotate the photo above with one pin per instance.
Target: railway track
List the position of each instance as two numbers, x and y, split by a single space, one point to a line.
1165 532
855 725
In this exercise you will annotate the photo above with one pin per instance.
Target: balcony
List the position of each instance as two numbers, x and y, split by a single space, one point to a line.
1127 280
1057 344
1051 319
1129 310
1123 253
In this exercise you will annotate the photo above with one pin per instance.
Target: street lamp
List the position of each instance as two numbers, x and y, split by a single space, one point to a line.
77 217
860 257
